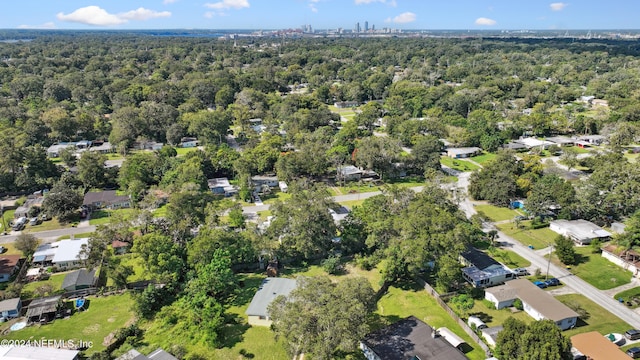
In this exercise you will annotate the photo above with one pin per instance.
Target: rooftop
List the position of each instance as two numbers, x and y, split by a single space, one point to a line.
478 258
69 250
158 354
410 338
502 292
43 305
9 304
36 353
104 197
267 292
465 150
543 302
81 277
8 263
597 347
533 142
581 229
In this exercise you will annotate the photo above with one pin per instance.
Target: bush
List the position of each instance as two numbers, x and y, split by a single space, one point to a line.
332 265
489 304
518 304
366 262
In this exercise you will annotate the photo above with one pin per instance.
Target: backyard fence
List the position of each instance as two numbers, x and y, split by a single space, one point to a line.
460 322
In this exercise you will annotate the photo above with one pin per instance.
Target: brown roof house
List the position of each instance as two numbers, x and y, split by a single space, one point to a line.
625 258
107 199
408 339
597 347
536 302
8 266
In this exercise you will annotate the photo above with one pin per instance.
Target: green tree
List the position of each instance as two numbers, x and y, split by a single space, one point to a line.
565 250
463 303
163 258
550 192
62 202
26 244
426 153
569 157
68 156
323 318
538 340
91 169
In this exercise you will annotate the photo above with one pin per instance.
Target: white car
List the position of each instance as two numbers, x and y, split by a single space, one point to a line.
520 271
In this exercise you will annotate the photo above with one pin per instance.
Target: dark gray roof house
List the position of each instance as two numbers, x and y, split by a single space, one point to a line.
79 279
270 289
408 339
106 199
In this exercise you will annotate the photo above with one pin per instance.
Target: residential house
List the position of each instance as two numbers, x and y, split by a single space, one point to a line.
409 338
257 126
64 253
148 145
533 143
482 270
593 139
259 180
561 140
339 214
618 228
582 232
515 146
221 186
54 150
43 308
189 142
79 279
270 289
107 199
10 352
625 258
283 186
103 148
23 210
158 354
120 247
10 308
597 347
349 173
536 302
459 153
9 264
501 296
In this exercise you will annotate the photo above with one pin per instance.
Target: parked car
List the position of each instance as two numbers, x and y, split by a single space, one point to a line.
540 284
34 221
634 352
19 224
632 334
520 271
552 282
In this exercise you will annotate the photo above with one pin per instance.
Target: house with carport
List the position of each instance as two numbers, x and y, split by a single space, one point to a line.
582 232
482 270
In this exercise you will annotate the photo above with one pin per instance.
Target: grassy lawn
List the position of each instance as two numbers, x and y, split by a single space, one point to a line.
599 319
183 151
408 182
496 213
104 316
356 187
493 317
275 196
633 158
510 258
538 238
264 214
76 236
161 211
6 218
102 217
485 157
580 150
598 271
458 164
55 281
628 295
11 249
52 224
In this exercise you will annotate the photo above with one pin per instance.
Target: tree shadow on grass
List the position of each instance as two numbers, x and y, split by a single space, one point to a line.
377 321
483 316
233 330
247 288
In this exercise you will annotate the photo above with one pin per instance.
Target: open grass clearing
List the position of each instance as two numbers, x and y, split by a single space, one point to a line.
598 271
538 238
493 317
599 318
76 236
184 151
630 297
509 258
55 281
103 316
497 213
351 203
10 249
484 158
101 217
52 224
458 164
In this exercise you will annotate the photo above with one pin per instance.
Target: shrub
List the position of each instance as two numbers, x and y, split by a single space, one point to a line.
489 304
366 262
518 304
332 265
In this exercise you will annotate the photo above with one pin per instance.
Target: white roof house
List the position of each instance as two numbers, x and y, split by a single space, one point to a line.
36 353
63 253
531 143
580 231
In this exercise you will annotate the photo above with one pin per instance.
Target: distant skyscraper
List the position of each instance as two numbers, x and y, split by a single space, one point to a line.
357 27
373 27
366 26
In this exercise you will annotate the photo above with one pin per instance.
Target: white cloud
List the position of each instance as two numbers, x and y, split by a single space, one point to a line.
404 18
228 4
485 21
142 14
388 2
558 6
47 25
94 15
169 1
313 8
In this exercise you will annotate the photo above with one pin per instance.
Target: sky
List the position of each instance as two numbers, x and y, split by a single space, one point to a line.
320 14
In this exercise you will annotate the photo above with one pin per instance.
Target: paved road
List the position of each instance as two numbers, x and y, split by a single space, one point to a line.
49 235
567 278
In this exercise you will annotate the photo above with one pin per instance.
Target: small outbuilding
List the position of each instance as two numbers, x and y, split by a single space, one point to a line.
79 279
476 322
10 308
43 308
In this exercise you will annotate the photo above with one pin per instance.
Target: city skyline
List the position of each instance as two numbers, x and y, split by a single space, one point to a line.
321 14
